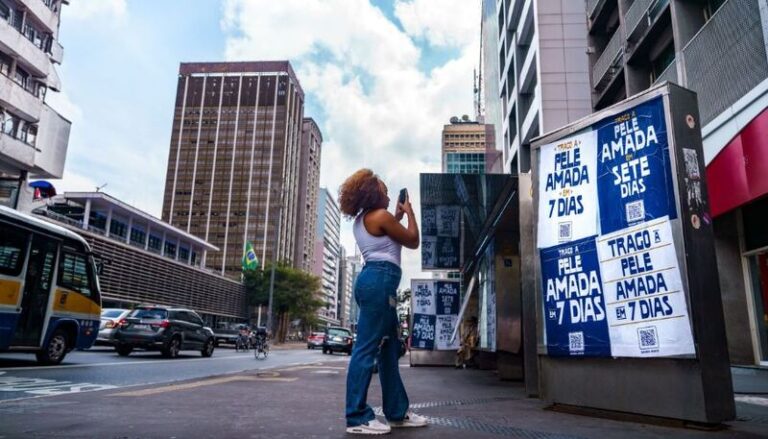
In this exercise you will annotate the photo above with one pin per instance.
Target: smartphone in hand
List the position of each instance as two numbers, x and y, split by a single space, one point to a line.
403 196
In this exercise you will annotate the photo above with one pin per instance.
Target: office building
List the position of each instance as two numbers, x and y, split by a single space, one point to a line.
535 75
33 137
147 260
355 264
328 256
309 185
345 288
233 166
716 48
468 147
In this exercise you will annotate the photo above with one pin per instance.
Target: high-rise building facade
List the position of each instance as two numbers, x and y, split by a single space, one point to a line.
328 255
355 264
345 288
309 185
716 48
233 166
33 137
467 147
540 68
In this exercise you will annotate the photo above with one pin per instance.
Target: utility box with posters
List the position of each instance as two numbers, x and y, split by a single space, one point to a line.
434 316
626 278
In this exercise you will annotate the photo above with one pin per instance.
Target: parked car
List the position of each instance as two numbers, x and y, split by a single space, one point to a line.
110 320
227 333
169 330
315 340
337 340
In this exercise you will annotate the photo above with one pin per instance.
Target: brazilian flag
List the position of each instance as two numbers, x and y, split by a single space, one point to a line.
250 261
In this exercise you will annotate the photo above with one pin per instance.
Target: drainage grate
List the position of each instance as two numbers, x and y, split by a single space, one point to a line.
478 426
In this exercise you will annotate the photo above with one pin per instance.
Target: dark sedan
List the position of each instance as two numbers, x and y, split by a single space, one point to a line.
337 340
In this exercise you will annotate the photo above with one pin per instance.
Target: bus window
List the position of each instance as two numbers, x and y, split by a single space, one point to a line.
13 246
74 273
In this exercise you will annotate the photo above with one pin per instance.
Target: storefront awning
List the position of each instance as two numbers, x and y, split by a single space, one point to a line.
739 173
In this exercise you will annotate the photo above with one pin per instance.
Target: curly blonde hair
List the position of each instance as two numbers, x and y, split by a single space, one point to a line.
362 191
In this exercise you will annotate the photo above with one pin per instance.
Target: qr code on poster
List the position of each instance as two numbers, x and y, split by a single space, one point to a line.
576 341
635 211
648 338
564 231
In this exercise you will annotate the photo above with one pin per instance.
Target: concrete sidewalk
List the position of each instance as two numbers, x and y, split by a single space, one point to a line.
304 401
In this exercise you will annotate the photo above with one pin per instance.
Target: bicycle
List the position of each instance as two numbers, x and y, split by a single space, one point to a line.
241 344
261 349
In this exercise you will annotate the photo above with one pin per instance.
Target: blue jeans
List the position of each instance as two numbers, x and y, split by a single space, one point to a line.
377 335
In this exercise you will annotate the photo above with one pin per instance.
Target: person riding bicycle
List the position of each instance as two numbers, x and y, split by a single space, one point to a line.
242 338
260 334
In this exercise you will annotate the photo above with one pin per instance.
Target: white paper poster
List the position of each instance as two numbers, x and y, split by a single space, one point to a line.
423 297
444 327
568 190
644 295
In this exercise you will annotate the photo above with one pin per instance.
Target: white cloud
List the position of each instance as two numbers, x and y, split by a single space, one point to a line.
441 22
380 110
95 9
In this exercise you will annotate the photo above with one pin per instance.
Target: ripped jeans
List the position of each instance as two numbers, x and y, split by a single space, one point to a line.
377 337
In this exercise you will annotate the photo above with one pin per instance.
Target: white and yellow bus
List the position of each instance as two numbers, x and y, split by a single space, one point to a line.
49 289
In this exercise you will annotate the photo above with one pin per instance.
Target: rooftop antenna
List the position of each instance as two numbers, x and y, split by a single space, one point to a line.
99 188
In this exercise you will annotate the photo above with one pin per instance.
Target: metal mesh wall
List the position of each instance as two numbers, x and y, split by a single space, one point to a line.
727 58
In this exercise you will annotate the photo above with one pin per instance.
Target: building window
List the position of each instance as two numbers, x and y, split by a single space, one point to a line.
5 64
22 78
661 62
155 243
5 11
29 134
170 249
117 228
183 254
138 236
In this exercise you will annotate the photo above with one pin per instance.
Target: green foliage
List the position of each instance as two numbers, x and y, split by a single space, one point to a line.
295 293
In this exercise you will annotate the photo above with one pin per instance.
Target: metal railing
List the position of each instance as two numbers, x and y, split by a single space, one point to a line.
669 74
612 53
726 58
592 7
637 13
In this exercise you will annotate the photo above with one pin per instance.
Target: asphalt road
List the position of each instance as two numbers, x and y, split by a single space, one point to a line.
101 368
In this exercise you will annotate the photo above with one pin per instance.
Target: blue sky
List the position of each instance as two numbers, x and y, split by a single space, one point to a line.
381 78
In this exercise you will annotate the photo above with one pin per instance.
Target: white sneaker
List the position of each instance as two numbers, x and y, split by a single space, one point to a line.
411 420
371 427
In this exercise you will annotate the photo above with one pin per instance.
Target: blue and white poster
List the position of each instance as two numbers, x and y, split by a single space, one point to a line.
567 190
647 311
423 331
633 165
447 298
612 285
435 305
574 304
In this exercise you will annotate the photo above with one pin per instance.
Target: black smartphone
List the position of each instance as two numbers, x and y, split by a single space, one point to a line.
403 195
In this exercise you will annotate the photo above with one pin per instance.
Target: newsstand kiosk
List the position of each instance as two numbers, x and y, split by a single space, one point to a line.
627 299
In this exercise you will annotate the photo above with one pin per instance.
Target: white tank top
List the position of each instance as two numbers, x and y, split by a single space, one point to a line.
375 248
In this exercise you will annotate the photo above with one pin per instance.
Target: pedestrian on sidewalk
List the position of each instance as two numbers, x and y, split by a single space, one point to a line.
380 237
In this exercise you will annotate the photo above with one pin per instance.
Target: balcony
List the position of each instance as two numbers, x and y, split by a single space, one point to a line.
52 142
726 59
669 74
32 57
19 100
609 63
16 152
57 52
641 16
43 14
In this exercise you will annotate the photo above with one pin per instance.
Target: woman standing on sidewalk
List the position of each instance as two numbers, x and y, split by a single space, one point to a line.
380 237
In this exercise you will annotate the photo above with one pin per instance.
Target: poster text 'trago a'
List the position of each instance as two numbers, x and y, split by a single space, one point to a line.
574 305
645 299
634 172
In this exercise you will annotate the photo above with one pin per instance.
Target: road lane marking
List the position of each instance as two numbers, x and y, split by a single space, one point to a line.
201 383
756 400
46 387
124 363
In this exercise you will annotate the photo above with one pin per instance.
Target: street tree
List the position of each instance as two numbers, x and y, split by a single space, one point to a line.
294 296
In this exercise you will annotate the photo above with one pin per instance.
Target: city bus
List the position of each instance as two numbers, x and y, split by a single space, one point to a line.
50 302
